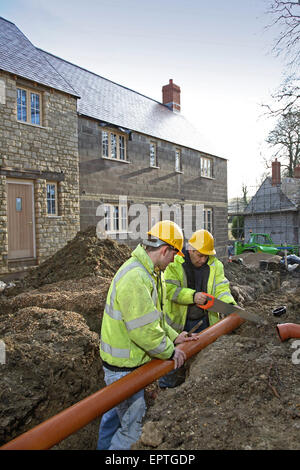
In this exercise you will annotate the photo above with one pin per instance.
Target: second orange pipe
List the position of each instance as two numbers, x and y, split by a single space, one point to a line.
288 330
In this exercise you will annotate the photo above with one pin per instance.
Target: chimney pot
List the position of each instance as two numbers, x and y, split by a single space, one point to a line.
171 96
297 171
276 179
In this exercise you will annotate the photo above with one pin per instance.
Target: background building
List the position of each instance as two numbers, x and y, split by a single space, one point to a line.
81 147
274 209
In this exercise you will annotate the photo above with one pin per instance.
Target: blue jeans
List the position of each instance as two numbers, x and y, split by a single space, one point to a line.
177 376
121 426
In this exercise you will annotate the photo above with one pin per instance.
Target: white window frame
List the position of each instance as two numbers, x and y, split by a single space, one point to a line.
153 155
154 215
114 145
115 218
29 92
54 185
178 160
206 167
208 219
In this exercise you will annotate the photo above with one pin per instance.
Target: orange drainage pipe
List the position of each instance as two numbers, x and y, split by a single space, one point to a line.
288 330
54 430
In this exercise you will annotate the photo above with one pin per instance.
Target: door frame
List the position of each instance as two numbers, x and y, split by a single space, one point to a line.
30 183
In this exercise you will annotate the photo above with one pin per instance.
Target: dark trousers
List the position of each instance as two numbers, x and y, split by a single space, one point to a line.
177 376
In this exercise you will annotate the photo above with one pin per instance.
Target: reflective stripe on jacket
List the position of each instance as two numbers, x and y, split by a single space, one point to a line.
179 295
134 329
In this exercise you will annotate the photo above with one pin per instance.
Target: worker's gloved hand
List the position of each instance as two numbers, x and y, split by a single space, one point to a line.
178 358
199 298
183 336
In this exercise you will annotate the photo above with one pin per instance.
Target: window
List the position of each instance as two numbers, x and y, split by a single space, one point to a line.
206 167
115 218
52 198
29 106
177 160
154 215
113 145
153 154
207 219
122 147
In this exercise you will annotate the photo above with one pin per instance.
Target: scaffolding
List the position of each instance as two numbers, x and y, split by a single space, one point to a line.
273 209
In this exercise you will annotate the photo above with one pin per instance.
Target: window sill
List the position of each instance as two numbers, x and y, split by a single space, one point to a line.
53 216
115 160
207 177
32 125
179 172
120 232
156 167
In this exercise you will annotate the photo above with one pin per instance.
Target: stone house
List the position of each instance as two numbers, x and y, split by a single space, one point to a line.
92 150
39 174
140 154
275 208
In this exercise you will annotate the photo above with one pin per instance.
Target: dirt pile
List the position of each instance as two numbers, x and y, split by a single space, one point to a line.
86 296
242 392
51 333
52 361
85 255
254 259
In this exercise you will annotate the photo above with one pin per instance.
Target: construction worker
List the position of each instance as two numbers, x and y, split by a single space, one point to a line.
134 329
186 278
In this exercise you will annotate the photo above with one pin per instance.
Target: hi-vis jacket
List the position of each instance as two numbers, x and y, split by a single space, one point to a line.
179 295
134 329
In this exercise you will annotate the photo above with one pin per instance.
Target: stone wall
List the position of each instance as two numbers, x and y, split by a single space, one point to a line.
39 154
103 180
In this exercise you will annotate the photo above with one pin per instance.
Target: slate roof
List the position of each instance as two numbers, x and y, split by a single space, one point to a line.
100 98
107 101
20 57
278 198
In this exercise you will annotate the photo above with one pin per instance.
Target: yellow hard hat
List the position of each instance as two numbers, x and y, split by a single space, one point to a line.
167 232
203 241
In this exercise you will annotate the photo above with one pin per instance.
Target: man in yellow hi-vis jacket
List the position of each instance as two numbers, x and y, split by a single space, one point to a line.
134 329
186 278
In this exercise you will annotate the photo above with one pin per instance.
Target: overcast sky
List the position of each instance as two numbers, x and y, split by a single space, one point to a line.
218 52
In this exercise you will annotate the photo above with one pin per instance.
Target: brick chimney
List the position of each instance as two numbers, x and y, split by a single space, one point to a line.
297 171
276 173
171 96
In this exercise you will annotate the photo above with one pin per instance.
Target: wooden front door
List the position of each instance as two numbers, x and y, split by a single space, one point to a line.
20 220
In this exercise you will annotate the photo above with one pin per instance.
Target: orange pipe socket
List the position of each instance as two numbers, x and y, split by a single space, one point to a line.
288 330
54 430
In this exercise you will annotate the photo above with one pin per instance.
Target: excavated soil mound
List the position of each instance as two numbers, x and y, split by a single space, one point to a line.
86 296
85 255
52 361
51 332
254 259
242 391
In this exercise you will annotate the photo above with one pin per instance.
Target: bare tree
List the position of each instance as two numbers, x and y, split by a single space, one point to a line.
245 194
286 98
285 138
286 15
